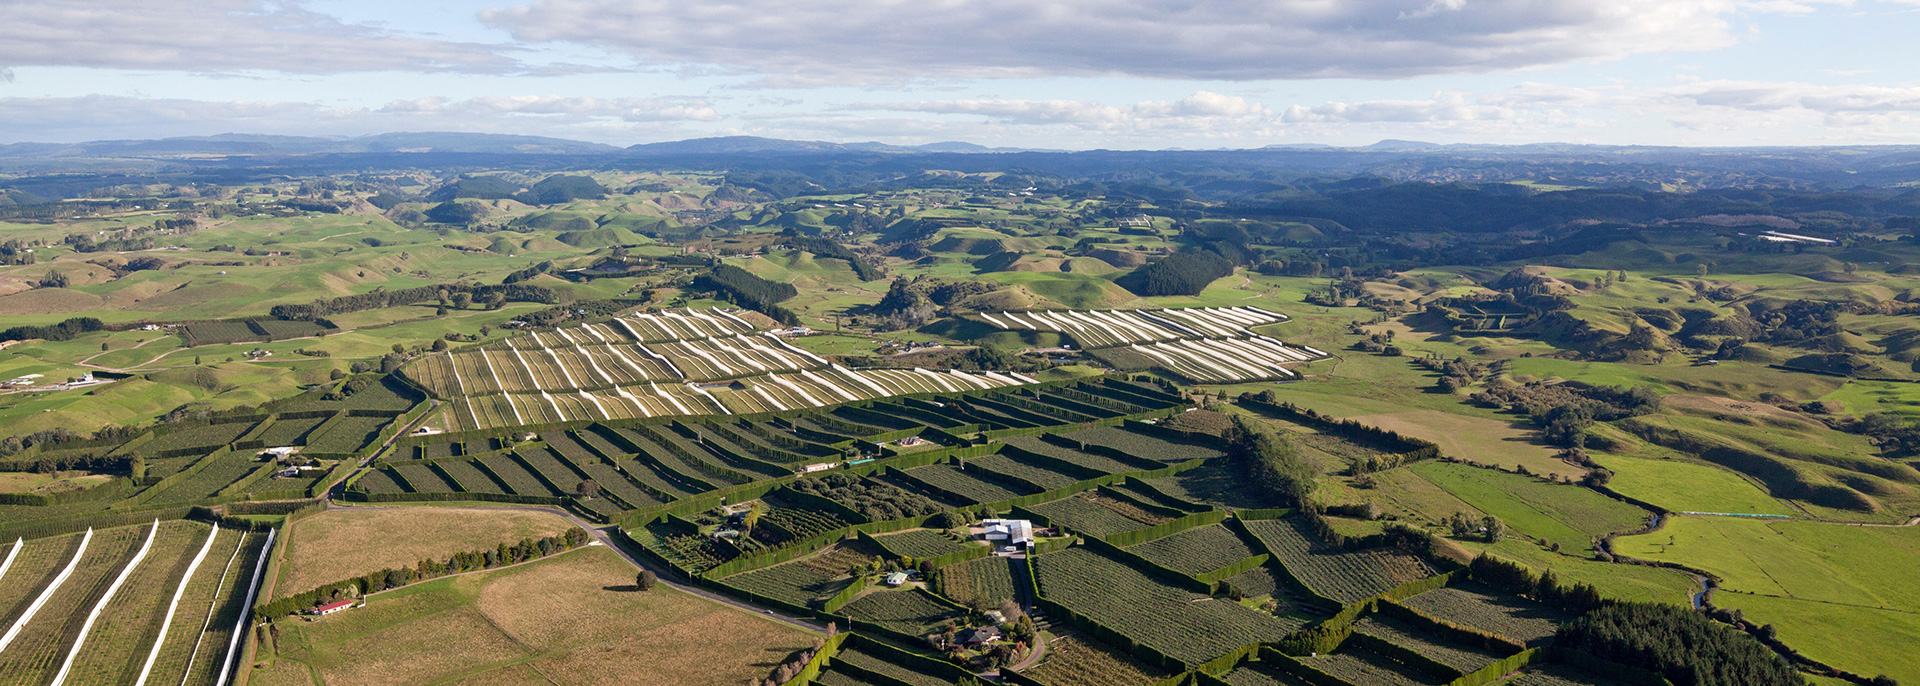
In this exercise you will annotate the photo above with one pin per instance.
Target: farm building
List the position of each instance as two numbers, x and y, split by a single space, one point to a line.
816 467
1013 531
331 608
896 578
978 637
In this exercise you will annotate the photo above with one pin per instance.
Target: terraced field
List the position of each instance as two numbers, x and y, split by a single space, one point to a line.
949 479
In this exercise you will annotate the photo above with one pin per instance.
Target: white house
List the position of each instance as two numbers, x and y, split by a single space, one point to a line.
1013 531
896 578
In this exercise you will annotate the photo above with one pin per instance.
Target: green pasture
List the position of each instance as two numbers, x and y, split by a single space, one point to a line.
1571 516
1688 486
1875 567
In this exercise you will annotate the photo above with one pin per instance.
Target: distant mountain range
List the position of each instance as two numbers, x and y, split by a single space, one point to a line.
235 144
56 170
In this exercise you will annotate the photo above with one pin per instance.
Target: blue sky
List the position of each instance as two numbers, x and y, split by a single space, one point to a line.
1071 74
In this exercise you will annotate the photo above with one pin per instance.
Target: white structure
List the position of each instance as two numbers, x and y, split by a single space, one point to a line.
1013 531
816 467
896 578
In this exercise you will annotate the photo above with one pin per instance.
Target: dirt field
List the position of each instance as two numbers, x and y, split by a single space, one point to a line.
570 619
1487 441
335 545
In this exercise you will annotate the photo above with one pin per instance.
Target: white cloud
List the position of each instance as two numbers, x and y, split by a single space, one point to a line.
105 117
626 109
842 41
221 36
1198 112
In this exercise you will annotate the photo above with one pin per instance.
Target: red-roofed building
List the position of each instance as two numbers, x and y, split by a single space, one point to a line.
331 608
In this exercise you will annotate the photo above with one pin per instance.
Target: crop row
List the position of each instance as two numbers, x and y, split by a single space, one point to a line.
1466 658
980 583
1491 611
1226 360
1187 626
687 551
944 479
911 612
803 581
1343 575
1143 445
1196 551
1094 515
1107 328
921 544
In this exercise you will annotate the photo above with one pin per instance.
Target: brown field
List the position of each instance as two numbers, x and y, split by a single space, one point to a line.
569 619
341 544
1486 441
1073 661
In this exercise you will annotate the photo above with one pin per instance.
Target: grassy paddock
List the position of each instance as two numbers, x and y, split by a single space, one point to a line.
340 544
574 618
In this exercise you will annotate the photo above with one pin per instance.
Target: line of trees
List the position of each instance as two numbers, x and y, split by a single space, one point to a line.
63 331
378 299
499 556
743 288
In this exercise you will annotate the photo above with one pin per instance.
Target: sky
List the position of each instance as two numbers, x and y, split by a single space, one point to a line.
1054 74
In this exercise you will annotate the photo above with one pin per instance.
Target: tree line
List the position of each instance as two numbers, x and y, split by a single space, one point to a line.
378 299
499 556
743 288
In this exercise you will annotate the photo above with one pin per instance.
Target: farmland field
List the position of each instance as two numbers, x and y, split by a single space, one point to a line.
1197 550
1096 515
1181 624
1688 487
1262 674
949 479
1559 513
1465 658
326 547
1488 610
1805 574
1144 445
802 581
921 543
1342 575
873 662
908 612
981 583
1074 660
143 567
573 617
1357 665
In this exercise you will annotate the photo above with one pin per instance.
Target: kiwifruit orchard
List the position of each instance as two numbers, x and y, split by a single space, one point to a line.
686 424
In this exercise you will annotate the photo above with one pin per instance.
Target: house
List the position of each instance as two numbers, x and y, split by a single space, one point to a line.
896 578
1013 531
978 637
816 467
331 608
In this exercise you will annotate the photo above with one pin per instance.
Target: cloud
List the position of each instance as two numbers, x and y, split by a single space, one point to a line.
222 36
1203 110
626 109
97 117
842 41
